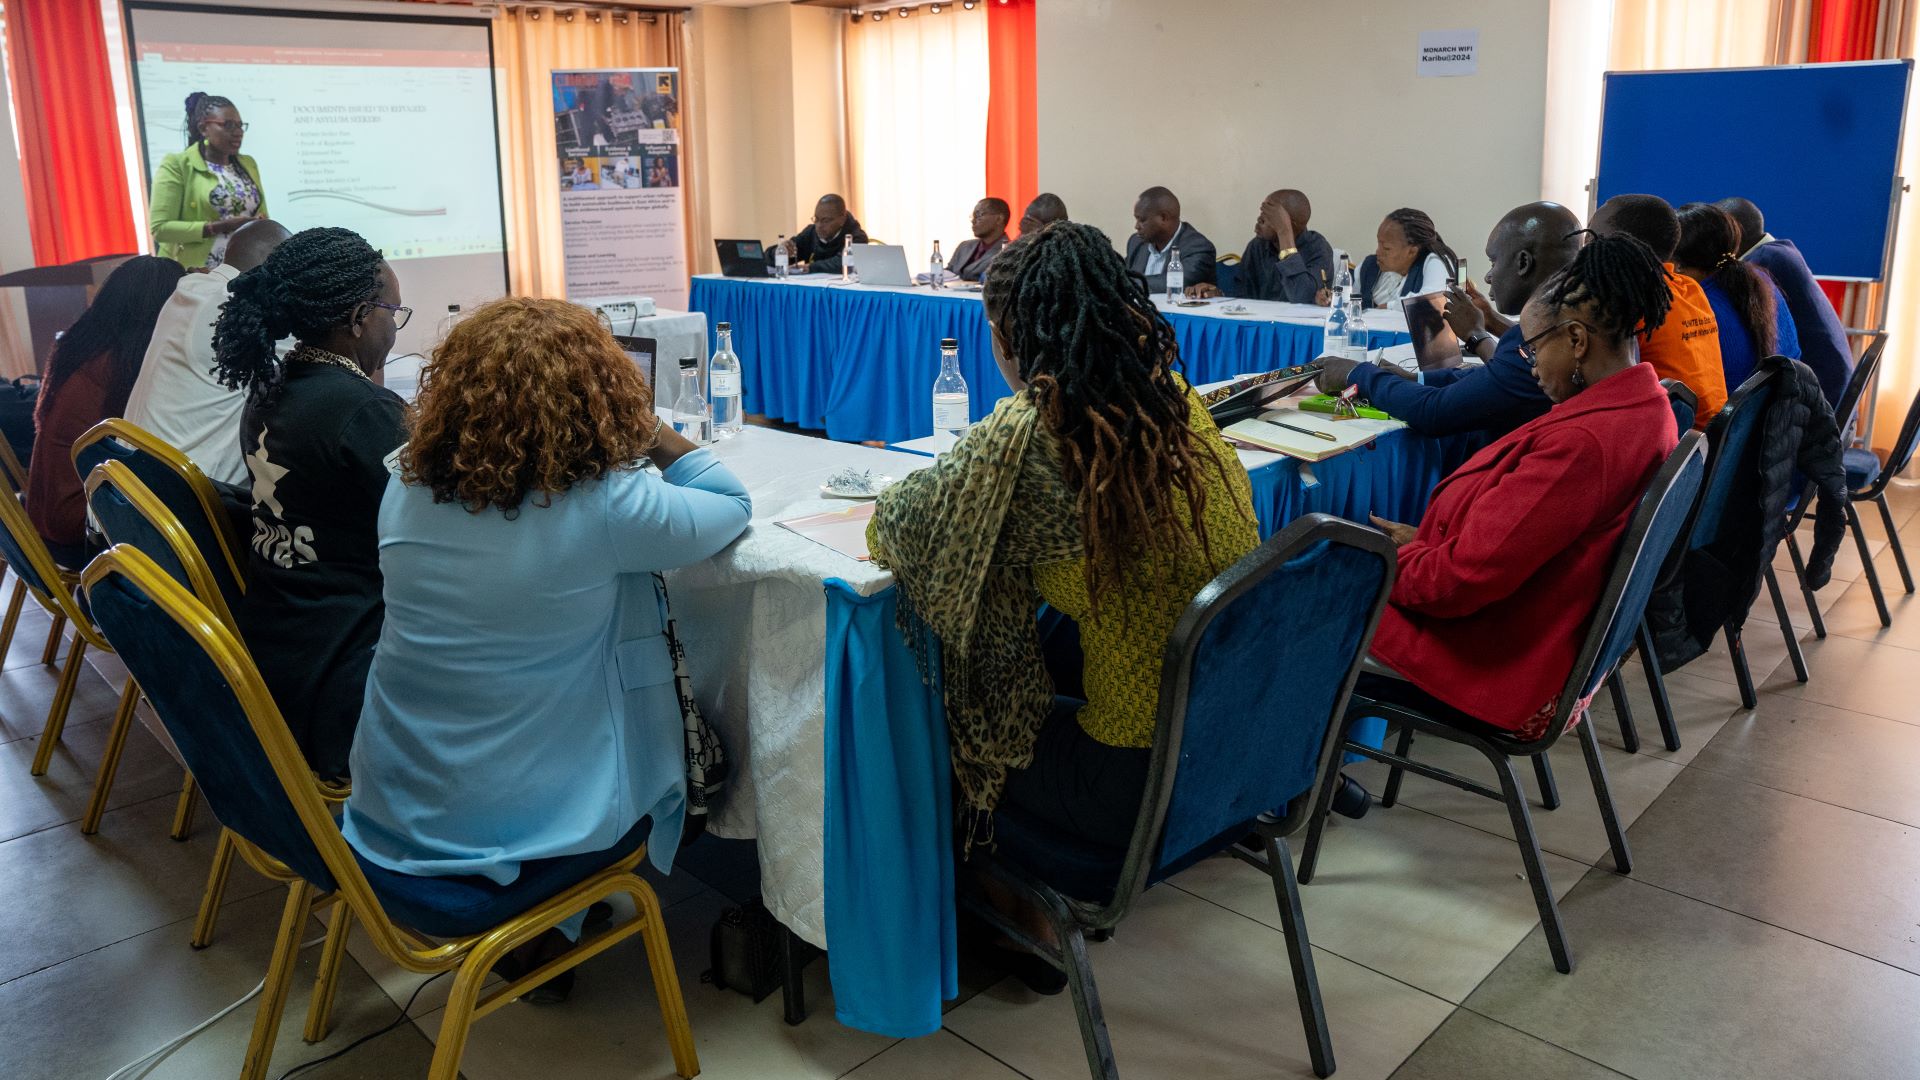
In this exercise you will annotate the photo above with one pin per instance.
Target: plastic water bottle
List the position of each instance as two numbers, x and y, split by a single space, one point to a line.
1176 277
951 411
936 267
723 386
446 324
1334 334
1356 328
849 274
780 257
690 408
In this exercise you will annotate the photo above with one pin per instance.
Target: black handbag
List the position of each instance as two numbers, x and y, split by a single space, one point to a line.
744 949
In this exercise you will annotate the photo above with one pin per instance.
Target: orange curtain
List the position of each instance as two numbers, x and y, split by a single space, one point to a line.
529 45
77 201
1843 30
1013 124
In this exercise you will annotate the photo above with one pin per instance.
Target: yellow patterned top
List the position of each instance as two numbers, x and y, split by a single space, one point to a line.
1123 645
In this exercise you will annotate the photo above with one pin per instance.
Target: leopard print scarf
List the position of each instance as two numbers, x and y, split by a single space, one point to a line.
963 538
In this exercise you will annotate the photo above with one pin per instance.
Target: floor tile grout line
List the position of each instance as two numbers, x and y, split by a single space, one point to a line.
224 905
1549 1042
1003 1062
1801 795
175 794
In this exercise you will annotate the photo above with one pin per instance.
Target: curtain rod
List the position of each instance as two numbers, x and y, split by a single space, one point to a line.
604 7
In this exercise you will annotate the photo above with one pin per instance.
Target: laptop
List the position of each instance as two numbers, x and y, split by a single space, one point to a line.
643 351
742 258
1434 343
881 264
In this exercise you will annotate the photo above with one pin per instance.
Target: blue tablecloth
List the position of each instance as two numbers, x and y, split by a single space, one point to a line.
860 363
889 834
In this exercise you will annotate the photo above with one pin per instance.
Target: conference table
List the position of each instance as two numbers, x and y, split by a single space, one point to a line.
858 361
837 742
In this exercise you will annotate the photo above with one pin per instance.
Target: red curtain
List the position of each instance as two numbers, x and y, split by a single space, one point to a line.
1013 126
1841 30
77 201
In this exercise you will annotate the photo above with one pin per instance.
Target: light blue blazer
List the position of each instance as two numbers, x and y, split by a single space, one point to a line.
521 703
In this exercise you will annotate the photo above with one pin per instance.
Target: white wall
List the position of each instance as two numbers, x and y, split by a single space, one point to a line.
1226 100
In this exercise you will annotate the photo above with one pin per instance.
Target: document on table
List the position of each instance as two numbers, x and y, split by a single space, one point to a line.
1284 431
845 531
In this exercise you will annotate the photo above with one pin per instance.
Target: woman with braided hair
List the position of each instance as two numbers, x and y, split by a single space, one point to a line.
1752 314
316 431
1101 487
1408 259
203 193
1498 583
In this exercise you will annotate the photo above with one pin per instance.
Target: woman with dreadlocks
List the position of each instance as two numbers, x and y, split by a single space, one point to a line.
1497 585
1408 259
1101 487
315 432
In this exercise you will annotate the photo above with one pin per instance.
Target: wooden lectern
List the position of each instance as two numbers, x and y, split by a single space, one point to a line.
56 296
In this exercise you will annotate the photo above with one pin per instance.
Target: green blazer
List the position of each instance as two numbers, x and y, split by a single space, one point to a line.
179 208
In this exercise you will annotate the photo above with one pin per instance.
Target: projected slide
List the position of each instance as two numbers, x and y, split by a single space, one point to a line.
380 125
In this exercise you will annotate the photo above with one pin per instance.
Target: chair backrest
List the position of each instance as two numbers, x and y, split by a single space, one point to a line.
1733 447
11 470
204 688
180 485
1685 403
26 554
1656 526
1902 453
128 512
1856 388
1253 685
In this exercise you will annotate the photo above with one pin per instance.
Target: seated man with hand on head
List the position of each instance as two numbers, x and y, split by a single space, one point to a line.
1530 245
1285 260
819 246
1823 338
1157 229
1045 209
971 259
1686 346
176 396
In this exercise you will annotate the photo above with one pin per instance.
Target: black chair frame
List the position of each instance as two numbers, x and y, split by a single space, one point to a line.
1876 493
1073 919
1843 415
1500 748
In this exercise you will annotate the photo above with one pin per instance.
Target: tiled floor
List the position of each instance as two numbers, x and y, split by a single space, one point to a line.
1771 927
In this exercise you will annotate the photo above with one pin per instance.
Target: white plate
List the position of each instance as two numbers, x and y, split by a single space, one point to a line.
880 484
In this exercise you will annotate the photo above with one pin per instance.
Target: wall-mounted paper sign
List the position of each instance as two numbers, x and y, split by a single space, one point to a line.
1445 53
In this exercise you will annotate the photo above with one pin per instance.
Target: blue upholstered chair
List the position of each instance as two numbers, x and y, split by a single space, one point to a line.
207 692
1226 273
1659 522
1685 403
1858 462
15 476
1235 750
1867 480
180 486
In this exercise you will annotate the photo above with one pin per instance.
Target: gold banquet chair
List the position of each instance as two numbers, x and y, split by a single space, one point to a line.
128 512
211 699
180 486
15 475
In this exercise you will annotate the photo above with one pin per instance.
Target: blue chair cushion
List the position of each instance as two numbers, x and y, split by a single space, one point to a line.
1862 465
470 904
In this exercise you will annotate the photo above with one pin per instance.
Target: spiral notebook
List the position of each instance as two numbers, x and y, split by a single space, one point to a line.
1266 433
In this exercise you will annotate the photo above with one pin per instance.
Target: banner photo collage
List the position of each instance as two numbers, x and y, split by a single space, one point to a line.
617 143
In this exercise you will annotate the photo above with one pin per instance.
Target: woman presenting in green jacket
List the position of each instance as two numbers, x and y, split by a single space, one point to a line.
207 190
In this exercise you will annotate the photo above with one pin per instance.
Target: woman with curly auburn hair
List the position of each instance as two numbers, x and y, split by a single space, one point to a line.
521 715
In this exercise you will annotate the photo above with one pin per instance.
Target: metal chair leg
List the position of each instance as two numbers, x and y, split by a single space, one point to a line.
1602 793
1800 572
1657 688
13 615
1549 791
1306 983
110 758
1866 564
52 648
216 891
1322 806
1086 1002
1742 675
666 983
1785 618
1530 854
273 999
57 711
183 810
1893 541
1394 774
327 981
1623 711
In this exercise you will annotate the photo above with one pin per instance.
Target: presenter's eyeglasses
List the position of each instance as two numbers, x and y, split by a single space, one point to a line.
400 314
234 127
1529 349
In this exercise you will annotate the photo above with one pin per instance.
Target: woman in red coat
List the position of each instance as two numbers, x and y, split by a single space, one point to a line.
1499 583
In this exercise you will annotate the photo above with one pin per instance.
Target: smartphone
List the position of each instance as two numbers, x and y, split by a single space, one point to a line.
1460 274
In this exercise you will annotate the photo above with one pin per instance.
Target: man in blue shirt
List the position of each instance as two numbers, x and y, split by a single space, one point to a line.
1529 245
1823 339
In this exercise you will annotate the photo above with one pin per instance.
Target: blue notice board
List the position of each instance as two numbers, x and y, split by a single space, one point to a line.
1815 146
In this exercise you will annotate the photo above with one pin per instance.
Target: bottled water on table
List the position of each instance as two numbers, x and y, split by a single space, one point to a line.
951 410
1334 333
1356 328
849 273
780 257
1176 276
936 267
690 408
723 386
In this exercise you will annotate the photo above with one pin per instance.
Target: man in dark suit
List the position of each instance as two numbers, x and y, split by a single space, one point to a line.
1045 209
970 259
819 246
1157 228
1823 339
1285 260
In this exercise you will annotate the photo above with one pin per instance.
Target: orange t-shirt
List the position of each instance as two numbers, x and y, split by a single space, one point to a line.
1687 347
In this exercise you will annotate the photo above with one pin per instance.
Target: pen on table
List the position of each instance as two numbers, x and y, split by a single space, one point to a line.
1329 436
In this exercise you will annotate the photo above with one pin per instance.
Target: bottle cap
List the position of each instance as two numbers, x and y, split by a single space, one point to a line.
949 343
689 362
453 307
724 327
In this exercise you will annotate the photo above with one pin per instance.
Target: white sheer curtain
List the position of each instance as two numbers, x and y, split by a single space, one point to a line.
917 127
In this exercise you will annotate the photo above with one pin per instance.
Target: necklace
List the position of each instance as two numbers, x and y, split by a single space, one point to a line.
313 354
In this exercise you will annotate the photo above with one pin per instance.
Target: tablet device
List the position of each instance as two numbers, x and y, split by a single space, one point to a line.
1252 395
1434 343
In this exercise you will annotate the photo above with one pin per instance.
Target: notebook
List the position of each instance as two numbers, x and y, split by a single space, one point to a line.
1264 432
845 531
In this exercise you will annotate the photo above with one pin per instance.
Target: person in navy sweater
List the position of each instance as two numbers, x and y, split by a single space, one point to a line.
1530 244
1823 339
